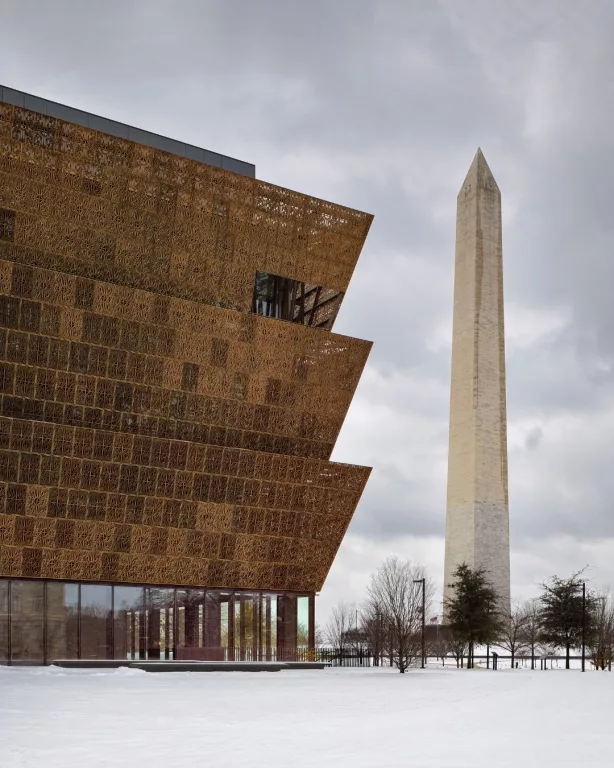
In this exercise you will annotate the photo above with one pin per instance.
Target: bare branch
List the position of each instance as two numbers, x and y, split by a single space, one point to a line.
395 596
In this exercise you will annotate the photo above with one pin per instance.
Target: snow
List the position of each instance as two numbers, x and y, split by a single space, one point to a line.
305 719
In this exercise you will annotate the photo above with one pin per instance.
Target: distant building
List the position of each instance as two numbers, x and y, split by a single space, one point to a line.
170 395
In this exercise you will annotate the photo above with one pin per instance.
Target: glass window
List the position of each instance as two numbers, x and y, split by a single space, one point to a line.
129 622
268 631
265 628
273 624
4 621
189 623
213 626
286 627
27 621
287 299
62 620
236 625
302 623
160 624
96 622
248 627
225 626
7 224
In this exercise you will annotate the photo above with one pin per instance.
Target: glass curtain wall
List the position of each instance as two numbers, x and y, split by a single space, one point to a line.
4 622
41 621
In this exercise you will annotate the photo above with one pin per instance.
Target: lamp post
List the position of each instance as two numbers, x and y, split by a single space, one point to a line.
488 643
583 626
423 582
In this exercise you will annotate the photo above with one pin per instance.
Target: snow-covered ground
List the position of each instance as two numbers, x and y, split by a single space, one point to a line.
52 718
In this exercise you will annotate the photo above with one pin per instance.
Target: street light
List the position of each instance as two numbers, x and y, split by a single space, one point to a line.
423 582
488 643
583 625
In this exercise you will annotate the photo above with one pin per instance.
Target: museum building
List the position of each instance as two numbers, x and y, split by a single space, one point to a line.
170 395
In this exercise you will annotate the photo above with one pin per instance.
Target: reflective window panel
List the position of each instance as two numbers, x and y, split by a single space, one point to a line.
302 623
286 627
129 622
62 621
248 639
225 628
96 621
160 624
189 624
237 607
27 622
214 651
4 621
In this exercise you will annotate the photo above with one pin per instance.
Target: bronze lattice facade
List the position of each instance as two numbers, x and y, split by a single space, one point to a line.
170 389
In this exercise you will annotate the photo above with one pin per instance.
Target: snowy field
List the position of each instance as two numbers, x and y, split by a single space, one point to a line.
52 718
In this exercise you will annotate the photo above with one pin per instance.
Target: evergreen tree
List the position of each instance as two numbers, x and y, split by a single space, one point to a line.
562 614
473 610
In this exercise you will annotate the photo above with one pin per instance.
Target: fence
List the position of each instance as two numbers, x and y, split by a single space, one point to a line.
353 657
335 657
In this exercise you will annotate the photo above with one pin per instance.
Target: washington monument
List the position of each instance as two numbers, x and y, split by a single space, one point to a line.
477 521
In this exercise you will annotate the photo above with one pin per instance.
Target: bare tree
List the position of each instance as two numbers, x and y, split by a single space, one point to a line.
373 630
601 642
338 626
320 636
399 598
440 644
512 637
458 647
531 630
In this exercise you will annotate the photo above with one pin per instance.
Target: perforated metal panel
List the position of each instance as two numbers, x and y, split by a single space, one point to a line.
152 430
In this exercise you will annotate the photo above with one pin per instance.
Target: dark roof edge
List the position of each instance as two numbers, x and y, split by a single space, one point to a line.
123 131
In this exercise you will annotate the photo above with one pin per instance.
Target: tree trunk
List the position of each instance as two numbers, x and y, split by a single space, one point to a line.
567 649
532 656
513 658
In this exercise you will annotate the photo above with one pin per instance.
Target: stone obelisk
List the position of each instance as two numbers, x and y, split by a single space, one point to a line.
477 521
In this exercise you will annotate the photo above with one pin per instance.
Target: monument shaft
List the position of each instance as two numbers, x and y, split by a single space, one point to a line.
477 521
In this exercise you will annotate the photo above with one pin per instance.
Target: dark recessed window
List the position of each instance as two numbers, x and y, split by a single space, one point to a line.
7 224
190 377
287 299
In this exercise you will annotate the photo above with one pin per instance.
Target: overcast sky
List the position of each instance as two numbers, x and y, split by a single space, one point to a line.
380 105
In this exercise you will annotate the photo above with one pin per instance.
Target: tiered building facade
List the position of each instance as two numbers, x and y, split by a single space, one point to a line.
170 395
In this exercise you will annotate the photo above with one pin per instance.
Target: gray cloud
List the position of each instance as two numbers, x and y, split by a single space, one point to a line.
381 105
